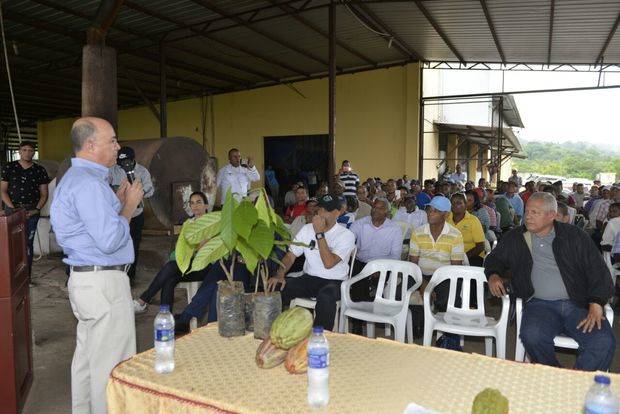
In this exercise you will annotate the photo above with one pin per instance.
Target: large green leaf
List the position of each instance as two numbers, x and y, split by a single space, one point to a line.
183 253
227 232
262 208
250 256
262 239
244 218
211 252
206 226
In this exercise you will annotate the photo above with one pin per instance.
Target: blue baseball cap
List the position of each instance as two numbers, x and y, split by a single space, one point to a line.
440 203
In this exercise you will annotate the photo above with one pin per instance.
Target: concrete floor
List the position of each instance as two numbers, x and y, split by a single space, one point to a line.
54 327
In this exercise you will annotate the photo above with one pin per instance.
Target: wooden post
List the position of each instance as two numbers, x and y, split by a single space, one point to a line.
99 85
163 97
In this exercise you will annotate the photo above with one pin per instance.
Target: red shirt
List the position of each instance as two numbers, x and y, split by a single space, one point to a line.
295 210
526 196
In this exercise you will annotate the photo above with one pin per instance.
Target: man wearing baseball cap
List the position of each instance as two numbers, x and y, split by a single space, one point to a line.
126 168
326 265
434 245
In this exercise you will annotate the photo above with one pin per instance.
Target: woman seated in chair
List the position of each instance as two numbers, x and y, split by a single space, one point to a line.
170 275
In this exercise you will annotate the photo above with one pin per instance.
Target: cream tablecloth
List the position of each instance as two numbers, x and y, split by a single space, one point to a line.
216 374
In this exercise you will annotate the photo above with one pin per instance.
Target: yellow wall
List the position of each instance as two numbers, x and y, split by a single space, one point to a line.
376 121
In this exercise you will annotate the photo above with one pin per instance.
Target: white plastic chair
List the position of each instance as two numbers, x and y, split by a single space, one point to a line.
404 227
465 321
310 303
560 341
385 308
191 288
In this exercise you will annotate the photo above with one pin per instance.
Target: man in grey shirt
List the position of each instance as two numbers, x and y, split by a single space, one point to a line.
558 272
126 168
546 277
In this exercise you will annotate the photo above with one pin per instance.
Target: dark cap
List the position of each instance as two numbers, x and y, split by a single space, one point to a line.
126 152
330 202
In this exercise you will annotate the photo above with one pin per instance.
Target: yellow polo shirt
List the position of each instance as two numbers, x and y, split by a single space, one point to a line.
471 229
434 254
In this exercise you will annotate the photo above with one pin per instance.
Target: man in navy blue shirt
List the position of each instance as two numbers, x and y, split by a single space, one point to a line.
92 226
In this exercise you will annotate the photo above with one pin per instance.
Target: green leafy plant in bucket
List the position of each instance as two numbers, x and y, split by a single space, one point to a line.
241 228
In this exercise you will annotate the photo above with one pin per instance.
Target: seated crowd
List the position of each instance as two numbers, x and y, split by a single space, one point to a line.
542 245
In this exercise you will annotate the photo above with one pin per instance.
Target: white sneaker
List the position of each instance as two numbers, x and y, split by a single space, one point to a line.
137 308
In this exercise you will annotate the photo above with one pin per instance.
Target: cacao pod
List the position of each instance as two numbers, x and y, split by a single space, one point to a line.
268 356
291 327
296 361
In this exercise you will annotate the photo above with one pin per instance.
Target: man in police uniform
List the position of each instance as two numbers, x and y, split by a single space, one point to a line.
236 176
126 161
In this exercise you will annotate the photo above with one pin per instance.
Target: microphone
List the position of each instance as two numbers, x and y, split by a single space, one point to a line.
131 176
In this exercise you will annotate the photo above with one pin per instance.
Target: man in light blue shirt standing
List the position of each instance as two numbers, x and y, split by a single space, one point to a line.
92 226
515 201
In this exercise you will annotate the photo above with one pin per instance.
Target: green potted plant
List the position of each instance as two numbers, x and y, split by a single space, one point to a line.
241 231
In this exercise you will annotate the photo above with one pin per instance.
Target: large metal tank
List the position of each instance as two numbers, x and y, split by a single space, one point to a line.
178 166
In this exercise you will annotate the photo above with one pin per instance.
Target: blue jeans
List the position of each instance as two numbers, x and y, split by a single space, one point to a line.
545 319
205 297
31 228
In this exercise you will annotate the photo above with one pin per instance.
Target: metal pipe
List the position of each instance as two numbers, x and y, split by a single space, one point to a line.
332 90
163 97
421 126
491 94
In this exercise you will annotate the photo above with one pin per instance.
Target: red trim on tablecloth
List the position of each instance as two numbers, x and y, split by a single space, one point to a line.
174 397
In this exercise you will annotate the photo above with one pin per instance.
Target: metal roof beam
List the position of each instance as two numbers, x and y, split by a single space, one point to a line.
80 38
141 35
438 29
498 45
227 44
294 14
551 17
371 19
612 32
308 55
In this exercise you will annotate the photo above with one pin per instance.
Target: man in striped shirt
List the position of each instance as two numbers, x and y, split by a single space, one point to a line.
350 179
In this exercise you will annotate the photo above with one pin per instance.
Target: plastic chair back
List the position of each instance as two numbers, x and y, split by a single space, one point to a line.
389 272
466 274
352 261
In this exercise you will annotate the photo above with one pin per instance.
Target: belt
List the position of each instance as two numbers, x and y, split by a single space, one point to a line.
96 268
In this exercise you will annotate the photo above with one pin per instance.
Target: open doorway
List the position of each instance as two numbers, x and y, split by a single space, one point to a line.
296 158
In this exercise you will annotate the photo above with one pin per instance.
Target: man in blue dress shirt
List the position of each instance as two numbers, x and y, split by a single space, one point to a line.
92 226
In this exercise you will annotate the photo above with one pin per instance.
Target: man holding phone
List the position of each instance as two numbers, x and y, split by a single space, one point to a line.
237 176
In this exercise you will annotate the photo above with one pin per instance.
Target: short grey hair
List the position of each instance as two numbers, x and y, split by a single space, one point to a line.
81 131
384 200
551 204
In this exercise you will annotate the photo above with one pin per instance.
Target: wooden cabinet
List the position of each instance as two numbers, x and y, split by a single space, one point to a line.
15 331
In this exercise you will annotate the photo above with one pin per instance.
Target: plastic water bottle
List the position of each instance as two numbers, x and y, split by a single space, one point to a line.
600 399
164 340
318 369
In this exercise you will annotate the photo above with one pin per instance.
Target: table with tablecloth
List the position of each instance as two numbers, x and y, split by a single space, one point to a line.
216 374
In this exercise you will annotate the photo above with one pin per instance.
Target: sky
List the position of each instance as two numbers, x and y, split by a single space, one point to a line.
590 116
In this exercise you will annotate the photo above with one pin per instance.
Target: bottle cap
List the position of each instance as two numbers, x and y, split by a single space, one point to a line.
164 308
317 330
602 379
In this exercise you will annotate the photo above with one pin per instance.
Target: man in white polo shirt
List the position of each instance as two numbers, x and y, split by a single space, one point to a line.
326 266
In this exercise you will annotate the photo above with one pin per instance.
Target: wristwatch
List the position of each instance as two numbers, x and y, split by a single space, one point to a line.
320 236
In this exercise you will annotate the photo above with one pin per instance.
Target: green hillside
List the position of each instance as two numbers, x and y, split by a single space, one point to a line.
569 159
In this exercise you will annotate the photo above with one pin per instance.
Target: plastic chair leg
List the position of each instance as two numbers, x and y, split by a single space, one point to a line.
193 324
388 329
500 347
428 335
336 318
399 333
409 328
488 346
370 330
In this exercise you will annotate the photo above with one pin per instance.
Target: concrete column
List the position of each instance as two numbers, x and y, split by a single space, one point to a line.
99 86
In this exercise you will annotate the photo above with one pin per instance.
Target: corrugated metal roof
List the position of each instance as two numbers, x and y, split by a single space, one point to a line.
224 45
